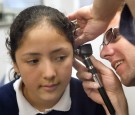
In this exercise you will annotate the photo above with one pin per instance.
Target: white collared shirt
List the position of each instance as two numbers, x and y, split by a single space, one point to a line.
25 108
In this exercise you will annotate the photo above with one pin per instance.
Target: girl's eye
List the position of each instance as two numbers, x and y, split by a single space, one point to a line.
61 58
33 61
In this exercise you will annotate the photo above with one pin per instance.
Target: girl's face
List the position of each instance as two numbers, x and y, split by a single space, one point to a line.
44 61
121 54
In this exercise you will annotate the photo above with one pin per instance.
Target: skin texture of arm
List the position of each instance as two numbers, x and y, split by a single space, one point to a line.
105 9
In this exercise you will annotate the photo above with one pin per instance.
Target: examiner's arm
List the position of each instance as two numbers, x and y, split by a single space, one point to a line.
105 9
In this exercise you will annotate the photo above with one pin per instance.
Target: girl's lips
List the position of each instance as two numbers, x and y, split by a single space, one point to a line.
50 87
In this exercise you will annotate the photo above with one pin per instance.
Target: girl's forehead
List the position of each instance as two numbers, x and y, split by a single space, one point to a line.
46 26
43 34
44 42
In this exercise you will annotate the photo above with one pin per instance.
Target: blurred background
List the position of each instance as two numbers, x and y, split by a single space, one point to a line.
8 11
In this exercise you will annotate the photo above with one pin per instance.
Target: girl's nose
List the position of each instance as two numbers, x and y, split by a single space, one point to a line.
48 70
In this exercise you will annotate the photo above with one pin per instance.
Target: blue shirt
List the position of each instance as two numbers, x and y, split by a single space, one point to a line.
81 104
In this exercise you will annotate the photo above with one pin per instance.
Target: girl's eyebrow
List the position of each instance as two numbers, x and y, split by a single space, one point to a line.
58 50
31 54
61 49
38 54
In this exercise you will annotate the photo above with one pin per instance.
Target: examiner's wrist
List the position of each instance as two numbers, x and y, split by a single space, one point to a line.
120 104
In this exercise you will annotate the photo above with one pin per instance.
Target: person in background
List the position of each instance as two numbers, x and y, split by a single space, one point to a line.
41 47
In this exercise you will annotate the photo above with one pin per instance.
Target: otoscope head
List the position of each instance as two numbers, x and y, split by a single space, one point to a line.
84 50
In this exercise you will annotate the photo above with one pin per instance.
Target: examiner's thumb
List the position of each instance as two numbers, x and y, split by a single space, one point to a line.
98 64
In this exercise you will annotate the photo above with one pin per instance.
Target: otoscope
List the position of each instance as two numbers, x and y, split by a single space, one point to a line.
84 51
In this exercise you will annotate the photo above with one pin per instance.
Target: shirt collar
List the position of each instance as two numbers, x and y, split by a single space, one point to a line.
25 108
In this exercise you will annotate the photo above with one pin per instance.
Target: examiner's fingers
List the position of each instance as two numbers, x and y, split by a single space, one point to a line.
100 66
78 66
72 16
84 76
90 84
81 39
78 32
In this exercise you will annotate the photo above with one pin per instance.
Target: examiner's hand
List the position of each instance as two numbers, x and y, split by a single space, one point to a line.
89 26
110 82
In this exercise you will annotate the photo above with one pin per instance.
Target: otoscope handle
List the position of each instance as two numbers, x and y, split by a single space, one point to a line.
101 89
89 65
106 100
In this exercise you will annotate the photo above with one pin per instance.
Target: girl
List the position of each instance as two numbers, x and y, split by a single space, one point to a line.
41 48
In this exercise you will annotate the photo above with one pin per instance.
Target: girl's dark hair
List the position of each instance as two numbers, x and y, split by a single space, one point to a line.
33 16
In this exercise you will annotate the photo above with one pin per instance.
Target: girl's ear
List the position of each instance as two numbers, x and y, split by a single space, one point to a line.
16 68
